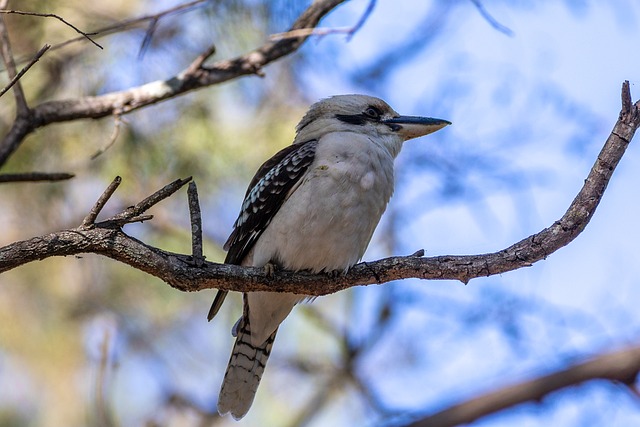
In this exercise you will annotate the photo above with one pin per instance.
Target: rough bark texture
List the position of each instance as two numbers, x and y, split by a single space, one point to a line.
180 271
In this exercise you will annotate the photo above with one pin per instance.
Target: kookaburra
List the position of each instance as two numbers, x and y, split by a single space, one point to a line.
312 206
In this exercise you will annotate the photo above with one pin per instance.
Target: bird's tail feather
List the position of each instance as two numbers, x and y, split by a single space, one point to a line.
244 372
217 303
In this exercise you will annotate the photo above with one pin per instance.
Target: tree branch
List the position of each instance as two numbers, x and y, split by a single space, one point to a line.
193 77
349 31
622 365
34 177
7 57
133 23
108 239
17 77
491 20
53 15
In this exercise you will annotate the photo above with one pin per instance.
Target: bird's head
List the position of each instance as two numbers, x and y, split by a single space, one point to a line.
366 115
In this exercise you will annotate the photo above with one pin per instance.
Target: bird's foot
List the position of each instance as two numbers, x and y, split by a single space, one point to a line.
334 274
195 261
269 269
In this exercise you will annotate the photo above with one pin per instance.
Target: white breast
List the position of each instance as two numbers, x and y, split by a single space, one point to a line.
327 222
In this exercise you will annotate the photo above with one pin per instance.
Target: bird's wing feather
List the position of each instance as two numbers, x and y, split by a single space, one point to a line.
267 191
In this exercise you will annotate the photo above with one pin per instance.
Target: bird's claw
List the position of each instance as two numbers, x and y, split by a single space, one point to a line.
334 274
269 269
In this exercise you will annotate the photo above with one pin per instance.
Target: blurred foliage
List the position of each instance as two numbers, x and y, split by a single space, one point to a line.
87 341
56 314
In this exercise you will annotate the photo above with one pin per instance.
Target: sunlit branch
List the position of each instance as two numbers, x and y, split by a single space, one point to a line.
195 76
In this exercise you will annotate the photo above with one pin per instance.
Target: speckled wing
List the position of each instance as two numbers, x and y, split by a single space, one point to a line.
267 192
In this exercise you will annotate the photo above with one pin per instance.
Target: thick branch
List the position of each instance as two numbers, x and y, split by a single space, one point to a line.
94 107
179 271
622 365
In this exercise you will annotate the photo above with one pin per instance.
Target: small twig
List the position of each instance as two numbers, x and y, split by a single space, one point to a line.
90 219
304 32
53 15
363 19
160 195
137 210
25 68
315 31
491 20
146 42
196 225
10 65
131 23
117 123
139 218
197 63
35 176
418 254
627 103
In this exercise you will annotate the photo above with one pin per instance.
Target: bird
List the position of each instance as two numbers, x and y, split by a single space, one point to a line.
313 206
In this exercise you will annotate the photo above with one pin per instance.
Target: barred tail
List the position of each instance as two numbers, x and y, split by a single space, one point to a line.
244 372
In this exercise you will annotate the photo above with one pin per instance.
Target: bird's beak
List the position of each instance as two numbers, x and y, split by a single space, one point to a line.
414 126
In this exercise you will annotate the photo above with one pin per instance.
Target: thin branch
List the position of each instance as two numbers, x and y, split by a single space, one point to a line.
108 239
422 35
53 15
141 207
90 219
196 225
491 20
35 177
128 24
306 32
9 63
363 18
148 35
314 31
192 78
200 59
117 124
622 365
138 218
133 23
17 77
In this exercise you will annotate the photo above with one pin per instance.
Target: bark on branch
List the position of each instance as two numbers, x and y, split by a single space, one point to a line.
180 271
195 76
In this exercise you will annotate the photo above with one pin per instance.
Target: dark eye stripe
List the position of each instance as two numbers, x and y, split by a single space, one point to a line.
354 119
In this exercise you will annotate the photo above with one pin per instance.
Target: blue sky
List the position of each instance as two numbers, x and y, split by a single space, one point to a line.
534 109
530 112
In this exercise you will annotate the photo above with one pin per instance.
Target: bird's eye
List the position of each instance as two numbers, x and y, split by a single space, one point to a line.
372 112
